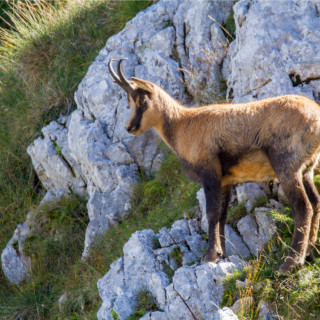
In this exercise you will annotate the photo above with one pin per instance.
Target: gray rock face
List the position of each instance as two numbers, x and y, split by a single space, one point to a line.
256 230
15 264
248 229
242 305
201 46
193 291
51 157
276 50
225 314
267 225
265 312
248 193
235 244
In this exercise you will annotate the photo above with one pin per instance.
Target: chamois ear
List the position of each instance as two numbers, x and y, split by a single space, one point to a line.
143 84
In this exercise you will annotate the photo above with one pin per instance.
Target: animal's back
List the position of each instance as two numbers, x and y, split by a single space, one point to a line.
242 133
238 128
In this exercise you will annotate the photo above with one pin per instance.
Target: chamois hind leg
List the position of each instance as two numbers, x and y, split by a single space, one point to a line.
223 216
314 199
302 212
290 176
213 193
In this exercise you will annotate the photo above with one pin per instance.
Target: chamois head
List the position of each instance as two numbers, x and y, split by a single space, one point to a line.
139 95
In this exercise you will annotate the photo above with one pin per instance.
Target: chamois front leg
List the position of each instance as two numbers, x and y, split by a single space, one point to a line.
213 193
226 193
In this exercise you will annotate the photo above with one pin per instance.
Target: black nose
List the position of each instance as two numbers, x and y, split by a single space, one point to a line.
129 128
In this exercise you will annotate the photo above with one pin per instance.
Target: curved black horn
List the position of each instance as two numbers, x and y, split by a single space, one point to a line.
113 74
127 86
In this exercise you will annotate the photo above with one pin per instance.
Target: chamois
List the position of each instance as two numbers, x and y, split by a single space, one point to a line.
219 145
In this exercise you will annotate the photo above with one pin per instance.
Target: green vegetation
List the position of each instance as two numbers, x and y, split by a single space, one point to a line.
235 213
260 201
229 27
44 54
145 303
177 255
56 244
289 297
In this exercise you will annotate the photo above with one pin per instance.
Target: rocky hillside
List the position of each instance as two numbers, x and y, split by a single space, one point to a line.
185 48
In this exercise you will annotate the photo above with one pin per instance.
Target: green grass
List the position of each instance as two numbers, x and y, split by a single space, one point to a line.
290 299
43 57
56 240
229 27
145 303
177 256
235 213
56 244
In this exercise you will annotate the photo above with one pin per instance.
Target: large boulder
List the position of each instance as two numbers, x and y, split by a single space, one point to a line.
276 50
193 291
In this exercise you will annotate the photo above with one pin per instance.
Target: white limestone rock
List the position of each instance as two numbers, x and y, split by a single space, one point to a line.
248 193
15 264
195 290
276 50
242 305
248 229
267 225
51 157
225 314
235 244
265 312
156 315
202 204
201 46
256 230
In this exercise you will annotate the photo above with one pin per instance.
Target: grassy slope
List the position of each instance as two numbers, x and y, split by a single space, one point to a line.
288 297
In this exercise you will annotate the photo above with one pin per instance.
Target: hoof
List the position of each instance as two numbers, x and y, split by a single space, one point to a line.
310 257
211 257
289 266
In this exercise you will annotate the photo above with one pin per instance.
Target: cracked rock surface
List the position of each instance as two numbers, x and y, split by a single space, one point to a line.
194 291
276 50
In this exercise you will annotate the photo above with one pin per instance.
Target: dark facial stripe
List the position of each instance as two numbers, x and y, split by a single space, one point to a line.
136 121
140 96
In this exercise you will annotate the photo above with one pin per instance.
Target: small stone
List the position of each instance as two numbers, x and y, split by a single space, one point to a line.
304 276
248 229
235 244
267 225
248 193
240 284
276 205
242 305
265 312
225 314
62 300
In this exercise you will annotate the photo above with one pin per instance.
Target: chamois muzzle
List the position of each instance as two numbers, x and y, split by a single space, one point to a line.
120 79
